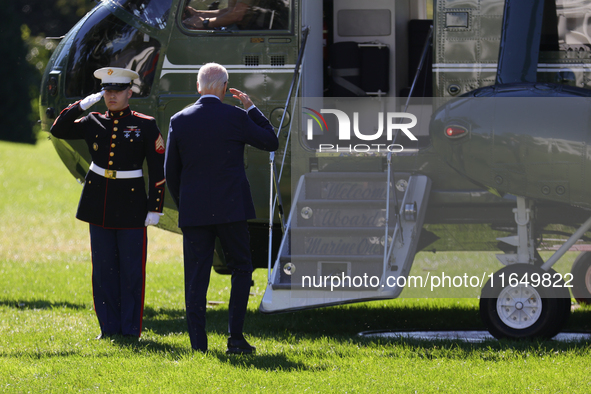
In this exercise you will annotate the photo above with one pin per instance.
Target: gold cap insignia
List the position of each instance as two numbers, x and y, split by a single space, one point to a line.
110 72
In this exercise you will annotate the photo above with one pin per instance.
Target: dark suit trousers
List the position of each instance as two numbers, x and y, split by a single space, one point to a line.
119 278
198 249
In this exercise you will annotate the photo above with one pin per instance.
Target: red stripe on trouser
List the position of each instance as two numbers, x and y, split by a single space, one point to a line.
144 258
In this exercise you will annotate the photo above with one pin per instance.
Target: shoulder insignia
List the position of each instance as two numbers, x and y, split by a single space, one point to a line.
160 148
140 115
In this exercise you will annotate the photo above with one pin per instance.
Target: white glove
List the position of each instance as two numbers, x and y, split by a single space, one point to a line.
91 100
152 218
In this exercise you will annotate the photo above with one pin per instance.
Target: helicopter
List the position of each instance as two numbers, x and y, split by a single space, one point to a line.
334 205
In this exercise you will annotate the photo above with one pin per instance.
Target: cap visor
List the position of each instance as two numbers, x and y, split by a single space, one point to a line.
115 86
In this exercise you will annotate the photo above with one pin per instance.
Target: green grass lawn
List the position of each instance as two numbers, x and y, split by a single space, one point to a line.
47 323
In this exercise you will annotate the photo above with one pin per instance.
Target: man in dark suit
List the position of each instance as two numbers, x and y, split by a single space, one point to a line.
204 168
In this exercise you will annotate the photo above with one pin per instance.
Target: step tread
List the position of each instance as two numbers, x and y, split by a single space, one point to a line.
344 229
330 257
379 202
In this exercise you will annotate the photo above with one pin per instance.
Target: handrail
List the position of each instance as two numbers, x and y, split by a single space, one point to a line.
420 67
274 181
389 182
387 209
293 109
397 228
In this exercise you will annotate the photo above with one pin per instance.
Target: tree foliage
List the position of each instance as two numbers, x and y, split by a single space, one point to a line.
52 18
25 51
16 78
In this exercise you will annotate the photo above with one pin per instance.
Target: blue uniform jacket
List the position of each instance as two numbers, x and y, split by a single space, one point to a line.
118 141
204 164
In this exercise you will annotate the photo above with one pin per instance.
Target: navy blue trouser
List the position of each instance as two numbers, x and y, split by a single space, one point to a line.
198 249
118 278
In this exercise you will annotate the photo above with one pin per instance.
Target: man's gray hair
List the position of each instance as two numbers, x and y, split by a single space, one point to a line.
212 76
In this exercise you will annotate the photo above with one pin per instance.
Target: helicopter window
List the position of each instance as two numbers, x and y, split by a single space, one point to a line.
231 15
104 40
153 12
357 23
574 25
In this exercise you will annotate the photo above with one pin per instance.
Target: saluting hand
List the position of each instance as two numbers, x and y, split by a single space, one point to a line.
89 101
243 97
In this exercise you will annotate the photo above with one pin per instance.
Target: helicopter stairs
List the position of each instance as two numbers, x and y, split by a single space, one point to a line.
335 249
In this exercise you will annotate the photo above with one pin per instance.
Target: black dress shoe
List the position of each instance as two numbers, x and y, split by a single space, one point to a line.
239 346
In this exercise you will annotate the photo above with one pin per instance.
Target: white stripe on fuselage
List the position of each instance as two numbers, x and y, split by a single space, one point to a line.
493 67
170 68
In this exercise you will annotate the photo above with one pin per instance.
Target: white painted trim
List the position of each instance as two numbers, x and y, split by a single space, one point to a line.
493 67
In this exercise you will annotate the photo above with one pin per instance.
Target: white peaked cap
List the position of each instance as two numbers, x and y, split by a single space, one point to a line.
115 77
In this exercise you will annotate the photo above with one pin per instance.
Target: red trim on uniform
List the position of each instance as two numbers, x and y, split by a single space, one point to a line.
115 115
140 115
160 183
64 110
144 257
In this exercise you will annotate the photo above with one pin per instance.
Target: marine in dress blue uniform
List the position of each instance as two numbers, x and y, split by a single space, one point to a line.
205 174
114 200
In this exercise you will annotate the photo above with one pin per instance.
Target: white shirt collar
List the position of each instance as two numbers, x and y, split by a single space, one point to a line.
214 96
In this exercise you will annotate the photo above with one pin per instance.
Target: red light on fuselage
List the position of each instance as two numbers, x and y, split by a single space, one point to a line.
455 131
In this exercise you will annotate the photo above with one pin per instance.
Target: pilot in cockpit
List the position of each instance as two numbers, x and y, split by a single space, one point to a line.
238 15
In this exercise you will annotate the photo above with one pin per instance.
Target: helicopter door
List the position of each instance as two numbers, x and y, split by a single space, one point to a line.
363 57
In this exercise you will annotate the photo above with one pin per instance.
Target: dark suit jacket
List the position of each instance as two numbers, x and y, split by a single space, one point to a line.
204 164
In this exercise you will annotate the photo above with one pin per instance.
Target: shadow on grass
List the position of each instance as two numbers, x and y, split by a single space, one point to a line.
264 361
338 322
148 345
341 322
42 304
347 321
163 321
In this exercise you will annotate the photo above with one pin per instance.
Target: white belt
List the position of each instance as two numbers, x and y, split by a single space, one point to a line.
112 174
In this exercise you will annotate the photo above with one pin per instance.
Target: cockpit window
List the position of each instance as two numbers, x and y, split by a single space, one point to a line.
234 15
103 41
153 12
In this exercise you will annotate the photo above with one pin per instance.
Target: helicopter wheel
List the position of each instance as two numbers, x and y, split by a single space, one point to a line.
512 307
581 271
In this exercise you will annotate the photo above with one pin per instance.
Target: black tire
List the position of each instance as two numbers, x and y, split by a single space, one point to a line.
581 271
530 312
562 293
564 302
